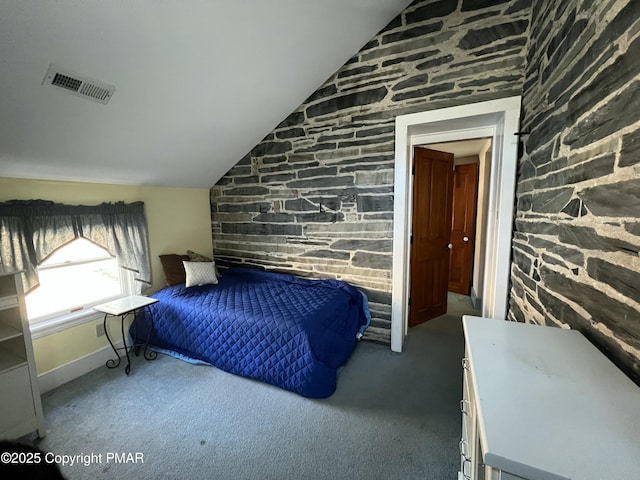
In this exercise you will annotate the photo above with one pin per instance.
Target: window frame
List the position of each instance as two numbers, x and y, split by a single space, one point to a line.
47 324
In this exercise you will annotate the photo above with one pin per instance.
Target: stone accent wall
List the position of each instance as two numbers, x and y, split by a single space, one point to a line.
315 197
577 227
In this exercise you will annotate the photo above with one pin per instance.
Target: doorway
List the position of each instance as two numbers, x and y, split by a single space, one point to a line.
496 119
446 265
472 168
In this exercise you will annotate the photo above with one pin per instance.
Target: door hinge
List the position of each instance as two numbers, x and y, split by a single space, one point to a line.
411 239
409 301
413 169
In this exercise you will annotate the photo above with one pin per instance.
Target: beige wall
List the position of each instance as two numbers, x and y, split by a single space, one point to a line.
178 219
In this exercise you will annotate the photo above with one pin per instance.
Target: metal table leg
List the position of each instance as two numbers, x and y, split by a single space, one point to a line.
127 369
111 363
147 353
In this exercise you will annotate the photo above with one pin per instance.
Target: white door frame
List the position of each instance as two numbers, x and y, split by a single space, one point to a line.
498 119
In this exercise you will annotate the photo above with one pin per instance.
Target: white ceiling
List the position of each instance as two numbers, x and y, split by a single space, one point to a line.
198 82
462 148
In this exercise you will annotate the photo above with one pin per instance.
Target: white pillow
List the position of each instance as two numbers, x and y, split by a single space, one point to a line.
200 273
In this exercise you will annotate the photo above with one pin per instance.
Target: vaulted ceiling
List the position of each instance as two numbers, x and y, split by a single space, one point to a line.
198 82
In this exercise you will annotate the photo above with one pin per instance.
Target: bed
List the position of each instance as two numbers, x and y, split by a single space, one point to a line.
288 331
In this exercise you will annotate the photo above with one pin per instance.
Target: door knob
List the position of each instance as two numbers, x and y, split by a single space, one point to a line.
465 239
450 246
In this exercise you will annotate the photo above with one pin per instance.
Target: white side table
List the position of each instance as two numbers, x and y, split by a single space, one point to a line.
121 308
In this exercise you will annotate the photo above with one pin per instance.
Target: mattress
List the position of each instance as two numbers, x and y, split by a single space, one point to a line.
288 331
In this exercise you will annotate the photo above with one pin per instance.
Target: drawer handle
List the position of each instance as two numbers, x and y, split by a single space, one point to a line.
463 407
463 449
465 363
466 469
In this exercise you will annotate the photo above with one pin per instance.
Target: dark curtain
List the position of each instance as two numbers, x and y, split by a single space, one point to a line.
31 230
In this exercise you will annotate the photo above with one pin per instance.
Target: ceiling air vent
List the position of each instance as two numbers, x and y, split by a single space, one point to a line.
78 85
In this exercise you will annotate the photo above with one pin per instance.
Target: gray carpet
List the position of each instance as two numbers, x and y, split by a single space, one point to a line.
393 416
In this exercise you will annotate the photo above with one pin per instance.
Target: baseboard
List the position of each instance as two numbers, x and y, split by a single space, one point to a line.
74 369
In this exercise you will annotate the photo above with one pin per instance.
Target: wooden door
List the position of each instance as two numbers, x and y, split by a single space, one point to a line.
463 226
431 232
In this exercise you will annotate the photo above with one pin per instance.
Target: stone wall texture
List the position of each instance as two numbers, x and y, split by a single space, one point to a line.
315 197
576 246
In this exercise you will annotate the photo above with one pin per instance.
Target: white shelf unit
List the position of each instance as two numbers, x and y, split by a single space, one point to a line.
20 404
542 403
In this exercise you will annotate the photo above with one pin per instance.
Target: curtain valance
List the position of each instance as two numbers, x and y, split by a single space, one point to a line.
31 230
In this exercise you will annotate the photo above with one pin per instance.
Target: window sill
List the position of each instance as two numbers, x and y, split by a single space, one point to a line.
63 322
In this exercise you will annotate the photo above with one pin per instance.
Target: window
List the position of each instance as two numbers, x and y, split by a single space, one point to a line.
32 230
73 279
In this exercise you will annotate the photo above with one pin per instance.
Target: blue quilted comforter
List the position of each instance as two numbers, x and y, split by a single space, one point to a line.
288 331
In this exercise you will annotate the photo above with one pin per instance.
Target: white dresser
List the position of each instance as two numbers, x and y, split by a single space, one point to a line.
20 405
542 403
